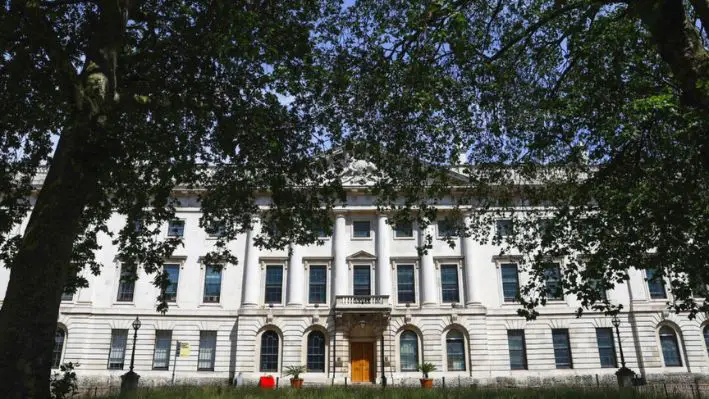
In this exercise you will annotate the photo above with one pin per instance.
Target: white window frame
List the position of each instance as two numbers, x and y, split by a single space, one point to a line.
458 262
561 300
170 353
117 284
395 262
257 346
668 294
213 236
214 353
203 277
304 352
680 347
362 263
466 350
352 229
180 262
184 228
497 233
397 344
411 237
438 230
327 262
66 336
283 262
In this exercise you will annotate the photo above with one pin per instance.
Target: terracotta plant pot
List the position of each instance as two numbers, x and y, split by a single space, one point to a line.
426 383
296 383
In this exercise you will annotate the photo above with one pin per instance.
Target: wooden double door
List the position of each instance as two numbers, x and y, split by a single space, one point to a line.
362 361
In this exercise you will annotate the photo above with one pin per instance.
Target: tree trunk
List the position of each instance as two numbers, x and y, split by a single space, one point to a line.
29 313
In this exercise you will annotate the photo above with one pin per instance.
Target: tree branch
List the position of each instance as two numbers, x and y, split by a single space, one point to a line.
702 9
57 3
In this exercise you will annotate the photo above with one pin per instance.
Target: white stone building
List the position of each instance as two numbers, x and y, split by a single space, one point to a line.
362 305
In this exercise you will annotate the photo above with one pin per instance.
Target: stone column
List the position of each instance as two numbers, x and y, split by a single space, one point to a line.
428 272
338 248
472 276
252 270
296 276
382 247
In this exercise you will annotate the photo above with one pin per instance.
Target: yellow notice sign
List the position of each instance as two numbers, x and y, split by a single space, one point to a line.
184 349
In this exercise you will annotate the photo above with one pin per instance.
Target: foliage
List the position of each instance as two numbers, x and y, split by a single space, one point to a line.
64 385
295 371
426 368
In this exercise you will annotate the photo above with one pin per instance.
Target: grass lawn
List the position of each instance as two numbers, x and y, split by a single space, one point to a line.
389 393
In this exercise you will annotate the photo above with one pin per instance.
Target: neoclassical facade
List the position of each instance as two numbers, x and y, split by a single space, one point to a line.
362 306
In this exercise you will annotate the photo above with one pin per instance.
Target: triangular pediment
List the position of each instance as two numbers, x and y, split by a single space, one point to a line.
361 255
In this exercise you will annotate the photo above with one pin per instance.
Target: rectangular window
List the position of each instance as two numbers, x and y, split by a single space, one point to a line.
655 284
207 350
405 284
214 229
449 283
161 353
503 227
446 228
510 281
518 349
403 230
361 229
126 285
212 285
552 272
562 348
117 352
317 290
67 296
173 275
362 281
176 228
606 347
598 287
274 284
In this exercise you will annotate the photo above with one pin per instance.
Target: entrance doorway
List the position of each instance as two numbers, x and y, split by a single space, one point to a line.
362 361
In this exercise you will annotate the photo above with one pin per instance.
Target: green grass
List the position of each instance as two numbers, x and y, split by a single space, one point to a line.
211 392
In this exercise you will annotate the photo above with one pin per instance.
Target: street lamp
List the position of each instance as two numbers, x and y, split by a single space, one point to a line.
624 374
129 380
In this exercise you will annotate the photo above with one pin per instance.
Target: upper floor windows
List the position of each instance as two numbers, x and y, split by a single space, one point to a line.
361 229
176 228
67 296
655 284
173 276
126 285
362 280
449 284
503 227
214 229
510 281
274 284
446 228
405 284
403 230
317 286
212 285
606 347
552 272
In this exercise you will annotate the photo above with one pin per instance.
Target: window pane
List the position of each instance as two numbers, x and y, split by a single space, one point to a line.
318 284
362 280
274 283
67 296
562 348
126 285
176 228
361 228
455 350
606 347
403 230
59 336
161 354
503 227
510 281
207 350
446 228
269 351
215 229
408 351
552 272
316 352
656 285
405 284
173 274
670 347
212 284
116 355
518 349
449 283
596 284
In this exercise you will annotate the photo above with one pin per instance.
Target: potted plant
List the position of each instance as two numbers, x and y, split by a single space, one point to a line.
426 368
295 372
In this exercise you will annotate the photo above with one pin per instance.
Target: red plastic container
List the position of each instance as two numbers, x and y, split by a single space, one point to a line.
267 382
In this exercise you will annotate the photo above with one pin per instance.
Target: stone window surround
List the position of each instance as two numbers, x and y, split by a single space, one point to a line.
397 347
327 262
458 262
273 261
466 349
395 282
203 276
257 346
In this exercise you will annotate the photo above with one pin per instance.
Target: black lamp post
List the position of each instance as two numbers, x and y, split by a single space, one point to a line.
624 374
129 380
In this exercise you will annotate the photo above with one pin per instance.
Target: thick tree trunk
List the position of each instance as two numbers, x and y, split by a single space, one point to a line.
29 313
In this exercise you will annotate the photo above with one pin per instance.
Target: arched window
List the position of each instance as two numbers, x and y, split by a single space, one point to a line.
269 351
408 351
455 351
670 347
59 338
316 352
706 337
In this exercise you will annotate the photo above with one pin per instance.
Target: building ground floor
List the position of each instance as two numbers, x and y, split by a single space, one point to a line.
368 344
